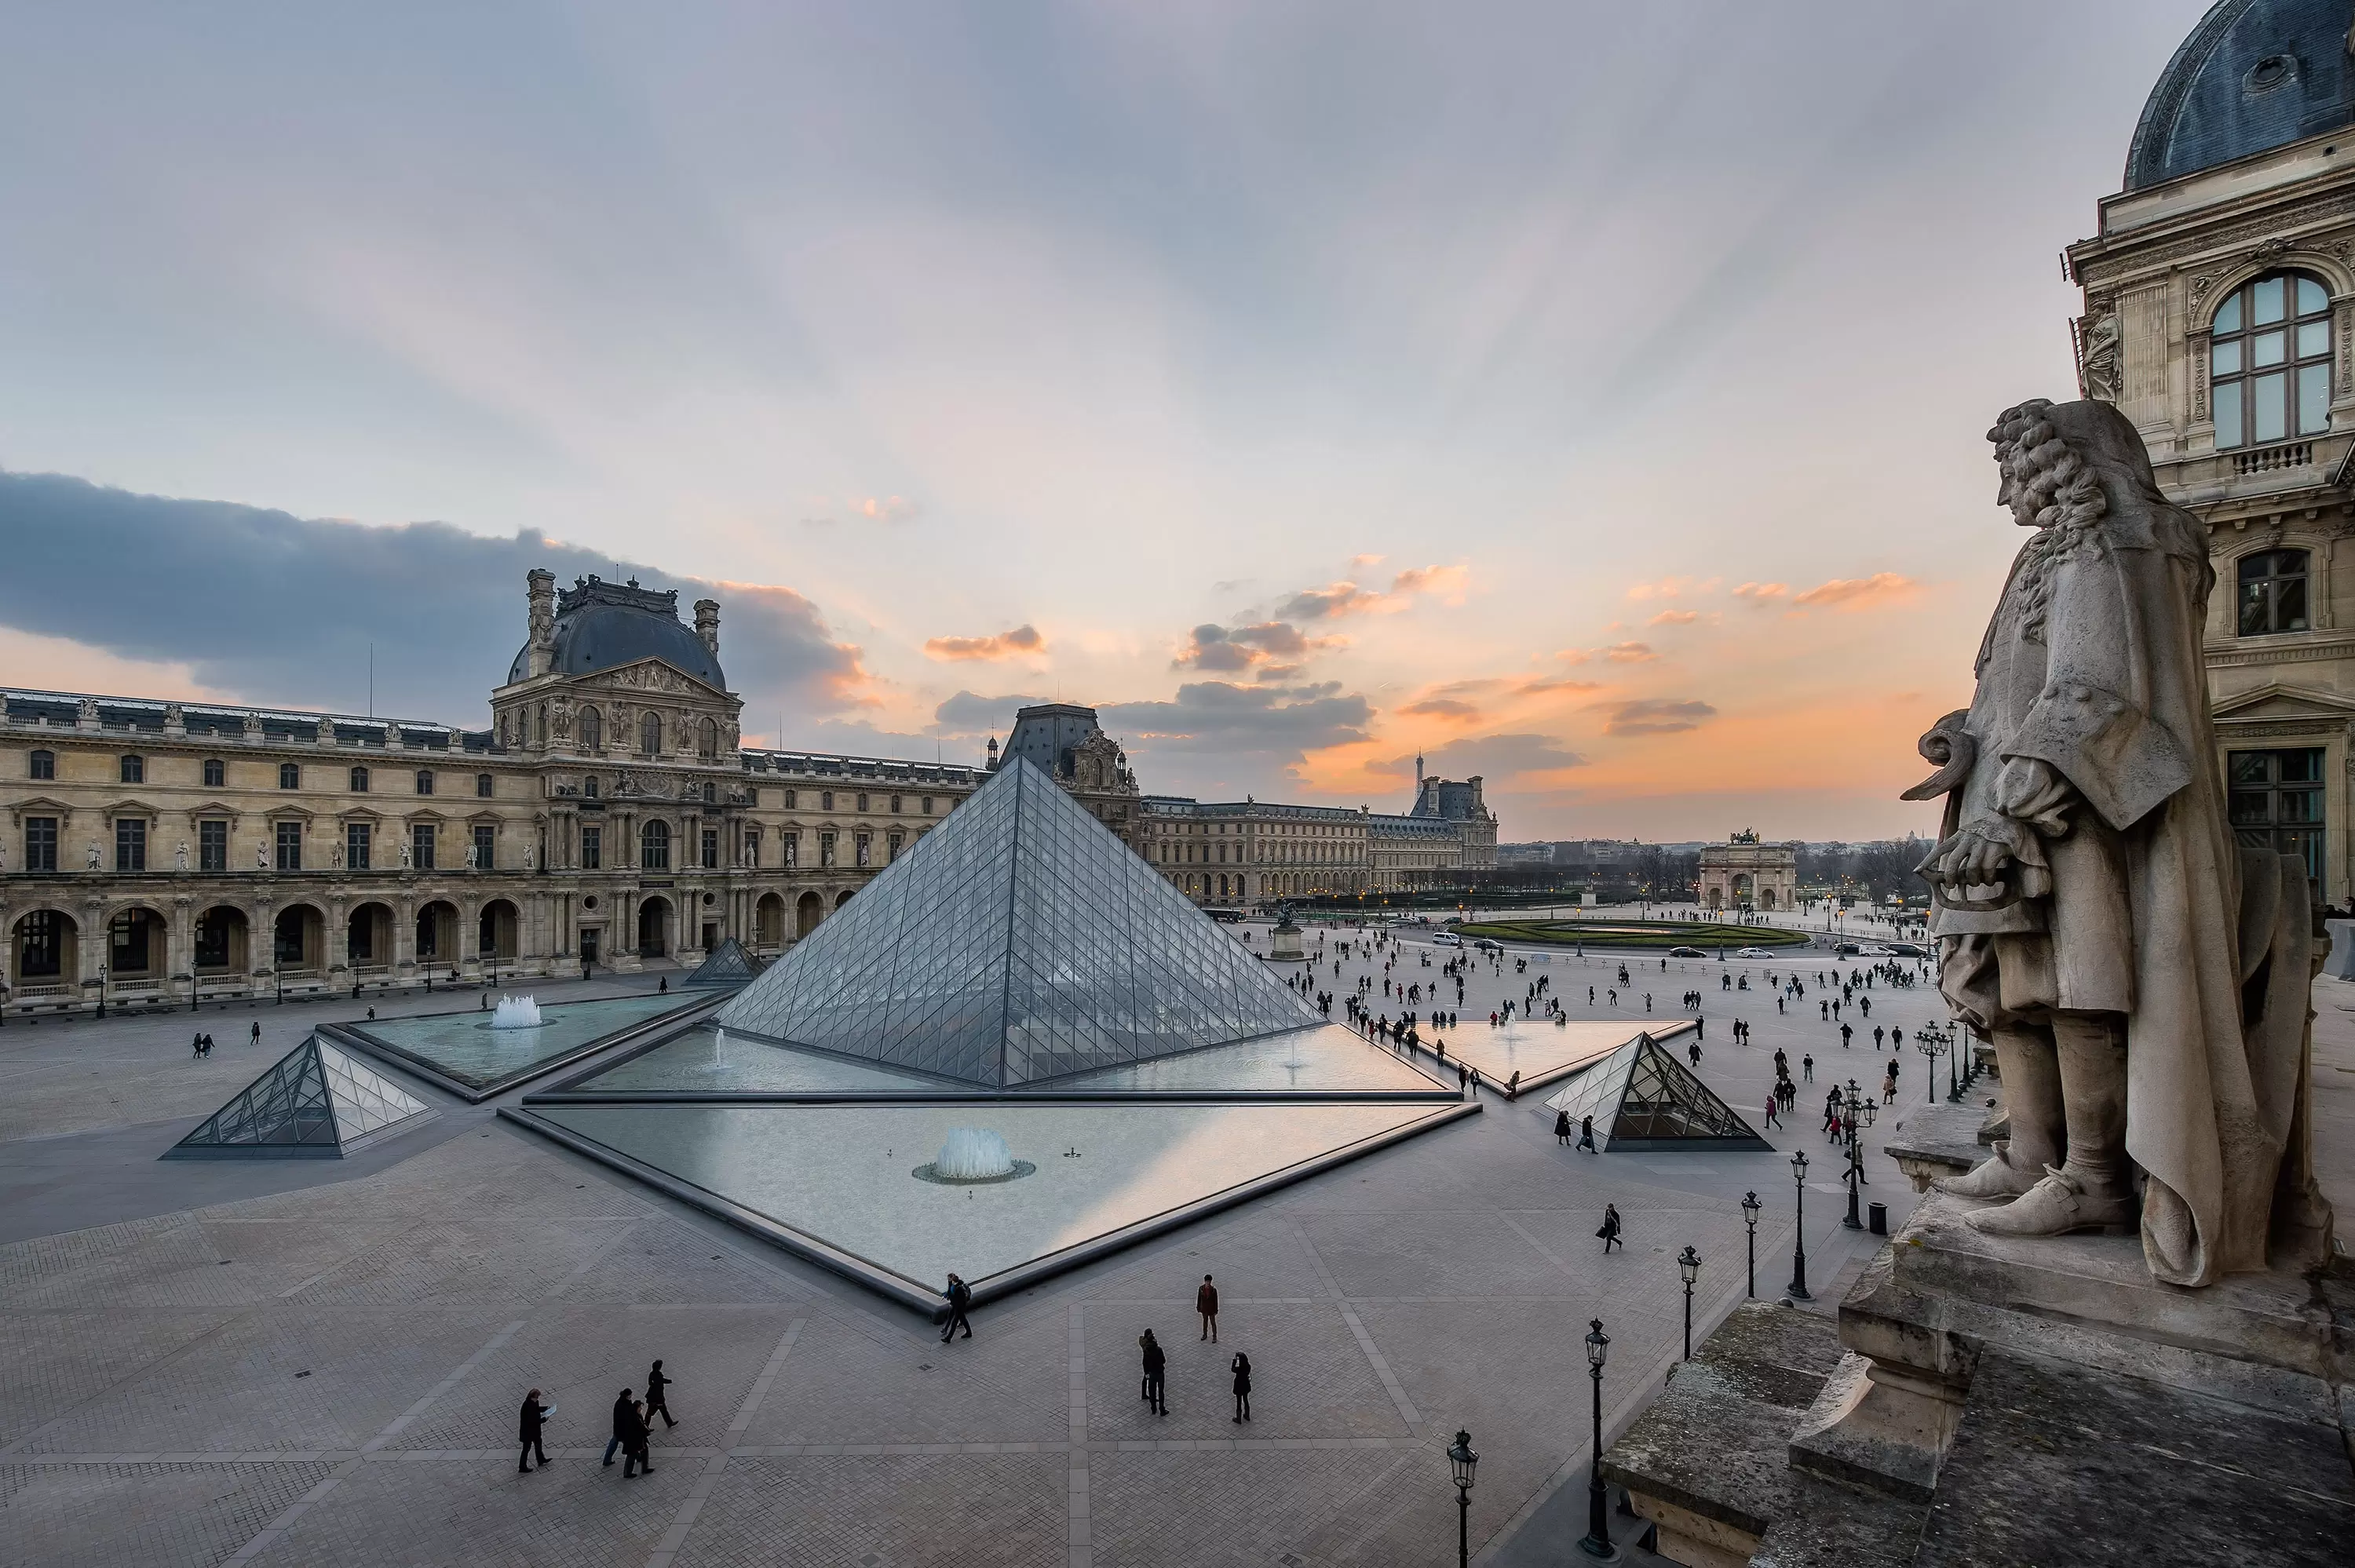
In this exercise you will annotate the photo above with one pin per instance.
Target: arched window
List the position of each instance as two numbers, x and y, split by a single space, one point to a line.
359 780
706 741
654 847
2272 592
650 735
290 775
503 729
2269 361
593 730
826 800
539 727
862 800
45 765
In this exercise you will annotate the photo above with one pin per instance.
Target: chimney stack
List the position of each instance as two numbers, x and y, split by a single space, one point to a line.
707 624
542 595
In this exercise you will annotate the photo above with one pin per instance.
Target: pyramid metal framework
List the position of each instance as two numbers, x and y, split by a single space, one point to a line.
315 1103
1642 1097
1018 941
729 964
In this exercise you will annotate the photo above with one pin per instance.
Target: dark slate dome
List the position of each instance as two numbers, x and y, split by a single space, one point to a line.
603 626
2253 76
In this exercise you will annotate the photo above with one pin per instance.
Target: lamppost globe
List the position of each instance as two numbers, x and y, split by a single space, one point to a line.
1597 1541
1688 1264
1749 1208
1598 1343
1461 1461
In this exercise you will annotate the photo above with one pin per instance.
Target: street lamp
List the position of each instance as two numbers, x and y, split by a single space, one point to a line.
1928 1040
1799 1291
1750 1207
1598 1543
1688 1264
1461 1461
1954 1085
1859 1108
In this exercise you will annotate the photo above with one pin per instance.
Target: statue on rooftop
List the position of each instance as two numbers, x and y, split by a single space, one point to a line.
2143 977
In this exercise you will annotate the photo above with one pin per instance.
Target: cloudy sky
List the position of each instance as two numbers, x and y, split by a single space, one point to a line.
1589 397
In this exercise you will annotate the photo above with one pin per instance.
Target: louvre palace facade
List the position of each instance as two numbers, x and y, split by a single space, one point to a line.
159 852
2220 317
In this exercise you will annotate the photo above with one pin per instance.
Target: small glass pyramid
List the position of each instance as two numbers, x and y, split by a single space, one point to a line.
315 1103
1641 1098
1018 941
728 964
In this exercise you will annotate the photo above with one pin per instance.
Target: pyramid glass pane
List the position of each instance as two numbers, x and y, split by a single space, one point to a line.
1021 940
729 964
365 1101
314 1100
1643 1095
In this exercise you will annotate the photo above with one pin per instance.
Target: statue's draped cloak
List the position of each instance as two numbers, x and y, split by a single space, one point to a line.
2093 664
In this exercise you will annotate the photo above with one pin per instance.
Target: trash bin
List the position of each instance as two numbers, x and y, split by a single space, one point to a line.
1876 1218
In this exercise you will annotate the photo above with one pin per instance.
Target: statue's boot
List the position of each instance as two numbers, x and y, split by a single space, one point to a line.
2031 1085
2090 1191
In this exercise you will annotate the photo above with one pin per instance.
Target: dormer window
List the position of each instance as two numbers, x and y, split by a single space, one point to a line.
2269 361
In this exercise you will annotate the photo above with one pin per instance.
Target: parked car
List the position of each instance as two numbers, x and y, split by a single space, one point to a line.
1448 939
1687 953
1909 949
1875 951
1489 945
1753 952
1845 949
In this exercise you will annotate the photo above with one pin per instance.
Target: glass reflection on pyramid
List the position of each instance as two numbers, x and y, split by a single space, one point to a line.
1019 971
1642 1099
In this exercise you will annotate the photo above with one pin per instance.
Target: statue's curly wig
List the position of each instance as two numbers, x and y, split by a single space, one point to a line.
2051 488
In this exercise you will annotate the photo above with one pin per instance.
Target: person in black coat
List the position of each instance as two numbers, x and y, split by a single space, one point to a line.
658 1398
1586 1134
631 1416
1157 1362
528 1428
1240 1366
1610 1230
624 1409
1561 1126
960 1297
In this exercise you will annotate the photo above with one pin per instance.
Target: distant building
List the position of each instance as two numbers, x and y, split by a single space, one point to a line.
1064 741
1744 874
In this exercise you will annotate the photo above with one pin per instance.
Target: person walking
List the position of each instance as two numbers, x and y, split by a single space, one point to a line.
196 1044
1561 1126
634 1450
1240 1366
1156 1363
960 1297
535 1417
1846 1030
1770 1110
1206 1302
658 1398
257 1031
1586 1134
1807 1065
1610 1230
625 1410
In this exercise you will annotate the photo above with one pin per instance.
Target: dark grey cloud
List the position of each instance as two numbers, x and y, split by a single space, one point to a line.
970 713
1656 715
279 609
1229 650
1493 756
1267 722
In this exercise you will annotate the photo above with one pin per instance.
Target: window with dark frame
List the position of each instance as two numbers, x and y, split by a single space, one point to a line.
359 780
129 843
420 845
358 837
862 849
44 765
654 847
486 846
593 848
426 781
482 786
290 775
40 843
2269 361
892 847
212 845
289 836
2272 592
216 773
135 770
593 730
41 945
711 849
2275 801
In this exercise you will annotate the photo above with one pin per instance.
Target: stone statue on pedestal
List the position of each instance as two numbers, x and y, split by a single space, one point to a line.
180 856
92 859
2144 977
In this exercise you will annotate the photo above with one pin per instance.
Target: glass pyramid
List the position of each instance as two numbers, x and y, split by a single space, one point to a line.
316 1103
1642 1097
728 964
1018 941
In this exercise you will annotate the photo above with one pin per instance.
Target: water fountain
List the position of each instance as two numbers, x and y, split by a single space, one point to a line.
972 1155
517 1012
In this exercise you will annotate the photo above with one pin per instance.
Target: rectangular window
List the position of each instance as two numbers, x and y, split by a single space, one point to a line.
711 849
129 843
42 953
2269 420
216 773
486 846
135 770
290 846
45 765
212 846
863 849
357 837
482 786
593 848
927 804
892 847
2275 801
825 849
792 848
424 783
40 843
420 845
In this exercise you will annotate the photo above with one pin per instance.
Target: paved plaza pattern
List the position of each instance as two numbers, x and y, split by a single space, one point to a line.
322 1364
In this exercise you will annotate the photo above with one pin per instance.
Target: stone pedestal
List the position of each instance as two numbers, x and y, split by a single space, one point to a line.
1283 945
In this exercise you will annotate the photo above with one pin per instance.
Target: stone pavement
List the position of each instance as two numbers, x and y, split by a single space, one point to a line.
319 1362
